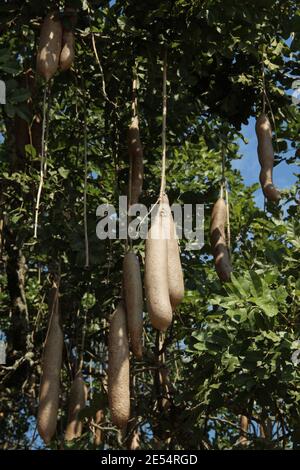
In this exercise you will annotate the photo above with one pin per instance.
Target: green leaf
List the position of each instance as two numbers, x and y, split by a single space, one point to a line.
257 283
64 172
88 301
268 307
30 150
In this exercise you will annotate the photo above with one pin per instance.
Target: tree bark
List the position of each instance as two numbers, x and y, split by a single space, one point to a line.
18 338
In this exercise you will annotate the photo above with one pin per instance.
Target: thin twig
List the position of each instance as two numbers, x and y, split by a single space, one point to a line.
274 123
266 98
42 166
263 82
223 179
104 428
226 421
86 239
134 114
148 213
47 134
164 126
101 72
28 357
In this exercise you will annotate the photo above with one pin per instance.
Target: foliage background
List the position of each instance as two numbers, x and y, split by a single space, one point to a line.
229 351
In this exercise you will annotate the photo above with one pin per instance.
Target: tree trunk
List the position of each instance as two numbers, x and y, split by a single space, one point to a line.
16 270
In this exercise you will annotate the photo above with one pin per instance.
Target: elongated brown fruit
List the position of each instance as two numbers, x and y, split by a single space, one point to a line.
49 46
78 397
175 274
136 160
67 54
266 157
218 240
133 295
50 381
118 368
156 272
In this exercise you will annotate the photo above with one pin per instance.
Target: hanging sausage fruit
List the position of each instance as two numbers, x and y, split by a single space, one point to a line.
163 273
156 271
78 397
49 46
218 240
175 274
67 54
118 368
266 157
135 151
132 281
133 296
50 381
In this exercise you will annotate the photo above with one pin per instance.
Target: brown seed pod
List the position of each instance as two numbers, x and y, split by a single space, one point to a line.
218 240
67 54
118 368
78 397
266 157
50 381
136 160
98 437
49 46
156 271
133 295
175 274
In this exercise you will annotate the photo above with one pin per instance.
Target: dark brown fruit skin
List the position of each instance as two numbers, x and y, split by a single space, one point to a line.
218 241
78 397
156 272
50 381
118 368
266 157
49 46
133 295
135 151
